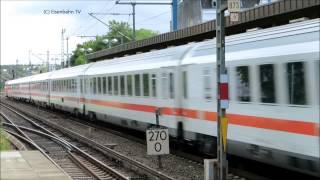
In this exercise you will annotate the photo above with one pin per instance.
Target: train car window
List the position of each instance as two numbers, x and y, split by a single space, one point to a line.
207 82
185 84
81 86
137 84
171 85
164 81
154 85
104 85
62 83
129 85
145 81
122 85
116 85
110 85
69 85
99 85
242 83
65 86
94 85
75 86
296 83
267 83
91 85
85 85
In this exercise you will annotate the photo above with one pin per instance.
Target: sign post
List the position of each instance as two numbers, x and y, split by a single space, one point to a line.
157 140
222 90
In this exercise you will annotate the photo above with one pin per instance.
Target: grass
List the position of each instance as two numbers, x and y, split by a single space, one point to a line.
4 143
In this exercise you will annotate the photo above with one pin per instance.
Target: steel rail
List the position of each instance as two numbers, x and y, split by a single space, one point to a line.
68 146
30 140
69 151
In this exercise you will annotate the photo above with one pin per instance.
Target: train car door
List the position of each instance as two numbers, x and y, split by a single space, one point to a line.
181 99
47 89
168 98
82 91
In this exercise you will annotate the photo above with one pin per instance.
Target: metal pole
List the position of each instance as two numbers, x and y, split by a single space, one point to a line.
220 55
157 121
68 63
15 75
29 57
62 48
134 20
48 64
133 8
175 15
55 63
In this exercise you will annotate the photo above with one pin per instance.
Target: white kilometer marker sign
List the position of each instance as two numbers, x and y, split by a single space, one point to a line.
158 141
234 5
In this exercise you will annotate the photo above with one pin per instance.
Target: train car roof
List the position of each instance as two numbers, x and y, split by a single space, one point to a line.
19 81
70 72
294 38
278 40
155 59
40 77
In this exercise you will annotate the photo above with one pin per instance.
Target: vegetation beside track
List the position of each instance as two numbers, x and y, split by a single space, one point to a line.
5 145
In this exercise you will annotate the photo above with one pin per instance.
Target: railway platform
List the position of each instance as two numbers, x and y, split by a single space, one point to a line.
17 165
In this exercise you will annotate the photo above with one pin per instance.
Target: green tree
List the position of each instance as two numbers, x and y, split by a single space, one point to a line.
119 30
145 33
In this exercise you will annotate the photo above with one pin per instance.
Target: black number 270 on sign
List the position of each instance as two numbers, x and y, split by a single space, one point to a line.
157 141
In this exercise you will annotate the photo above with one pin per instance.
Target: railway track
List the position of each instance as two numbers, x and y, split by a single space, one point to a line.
78 142
75 162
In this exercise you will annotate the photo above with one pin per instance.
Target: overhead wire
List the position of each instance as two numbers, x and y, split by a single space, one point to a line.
152 17
93 24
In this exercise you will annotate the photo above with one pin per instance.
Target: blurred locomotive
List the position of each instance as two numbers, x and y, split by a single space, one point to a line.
274 93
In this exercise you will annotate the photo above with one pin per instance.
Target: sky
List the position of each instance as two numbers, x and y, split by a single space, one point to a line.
33 25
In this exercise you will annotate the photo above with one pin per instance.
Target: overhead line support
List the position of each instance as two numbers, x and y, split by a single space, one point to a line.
133 4
222 167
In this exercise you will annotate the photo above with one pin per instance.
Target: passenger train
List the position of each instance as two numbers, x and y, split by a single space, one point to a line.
274 93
